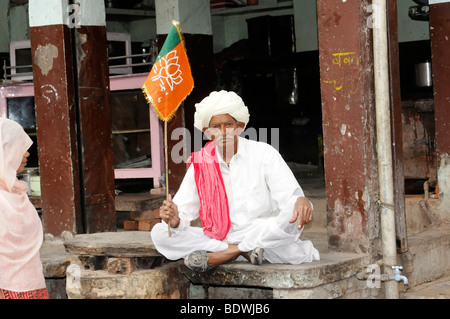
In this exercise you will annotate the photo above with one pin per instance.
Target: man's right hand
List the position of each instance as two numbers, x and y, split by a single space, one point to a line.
169 212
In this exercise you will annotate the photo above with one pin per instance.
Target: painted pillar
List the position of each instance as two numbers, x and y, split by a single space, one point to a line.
73 116
195 20
55 116
94 118
346 66
440 44
396 126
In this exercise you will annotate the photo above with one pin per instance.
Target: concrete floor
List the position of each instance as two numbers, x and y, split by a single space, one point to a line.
436 289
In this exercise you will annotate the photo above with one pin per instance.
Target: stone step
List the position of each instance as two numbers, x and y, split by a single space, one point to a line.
436 289
164 282
120 265
334 276
422 214
113 244
428 255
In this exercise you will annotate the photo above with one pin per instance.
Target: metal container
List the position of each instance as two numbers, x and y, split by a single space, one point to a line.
26 178
424 77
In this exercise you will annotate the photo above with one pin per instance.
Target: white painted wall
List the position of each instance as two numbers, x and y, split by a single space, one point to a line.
4 28
438 1
306 33
54 12
194 16
18 23
47 12
230 29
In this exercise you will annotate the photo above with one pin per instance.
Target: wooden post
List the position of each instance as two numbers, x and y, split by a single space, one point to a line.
71 85
94 118
440 39
347 88
55 117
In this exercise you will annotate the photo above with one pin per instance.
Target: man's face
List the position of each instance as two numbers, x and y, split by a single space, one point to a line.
223 130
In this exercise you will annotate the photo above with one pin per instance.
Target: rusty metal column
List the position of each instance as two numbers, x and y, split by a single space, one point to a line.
440 43
94 111
55 116
346 66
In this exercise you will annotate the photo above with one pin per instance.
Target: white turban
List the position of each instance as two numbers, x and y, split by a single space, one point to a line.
217 103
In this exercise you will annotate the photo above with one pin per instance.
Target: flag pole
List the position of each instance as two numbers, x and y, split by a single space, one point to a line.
156 86
166 162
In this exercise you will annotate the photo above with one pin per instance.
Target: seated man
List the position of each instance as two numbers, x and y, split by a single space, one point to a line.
248 200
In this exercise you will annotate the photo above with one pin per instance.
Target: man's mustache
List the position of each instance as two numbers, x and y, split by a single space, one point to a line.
222 137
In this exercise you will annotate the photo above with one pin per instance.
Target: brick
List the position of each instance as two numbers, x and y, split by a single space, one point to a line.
130 225
155 213
145 215
157 191
147 225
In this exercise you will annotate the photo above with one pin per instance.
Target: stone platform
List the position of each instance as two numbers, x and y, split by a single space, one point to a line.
334 276
70 273
90 274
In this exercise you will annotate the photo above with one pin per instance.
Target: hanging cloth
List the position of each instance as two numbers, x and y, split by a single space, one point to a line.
214 210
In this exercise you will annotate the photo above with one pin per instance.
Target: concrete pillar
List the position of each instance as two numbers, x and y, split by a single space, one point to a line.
440 42
94 118
55 116
346 64
195 20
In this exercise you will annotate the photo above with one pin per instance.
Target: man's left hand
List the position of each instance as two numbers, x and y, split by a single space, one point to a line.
303 212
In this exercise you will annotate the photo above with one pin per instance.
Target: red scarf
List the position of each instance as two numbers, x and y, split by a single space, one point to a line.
214 211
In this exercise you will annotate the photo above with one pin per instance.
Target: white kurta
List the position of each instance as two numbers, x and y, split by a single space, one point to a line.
261 191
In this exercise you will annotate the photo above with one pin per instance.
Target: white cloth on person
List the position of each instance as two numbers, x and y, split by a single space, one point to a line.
262 192
220 102
21 232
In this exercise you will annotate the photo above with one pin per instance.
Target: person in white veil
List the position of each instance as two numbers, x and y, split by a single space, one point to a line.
21 233
248 200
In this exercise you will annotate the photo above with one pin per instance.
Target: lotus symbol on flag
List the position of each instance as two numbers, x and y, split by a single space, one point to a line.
169 71
170 79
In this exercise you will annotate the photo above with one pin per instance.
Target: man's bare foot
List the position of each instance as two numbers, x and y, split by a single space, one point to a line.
224 256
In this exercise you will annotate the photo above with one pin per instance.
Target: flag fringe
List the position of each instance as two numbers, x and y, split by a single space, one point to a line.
152 102
147 94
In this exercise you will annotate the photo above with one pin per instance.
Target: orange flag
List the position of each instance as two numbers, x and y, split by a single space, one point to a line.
170 80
